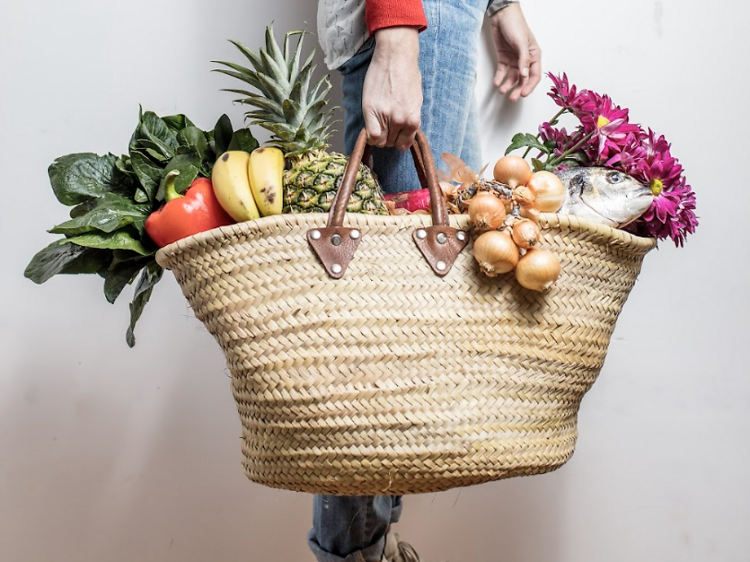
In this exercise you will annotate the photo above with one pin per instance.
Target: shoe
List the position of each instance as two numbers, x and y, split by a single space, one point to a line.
398 551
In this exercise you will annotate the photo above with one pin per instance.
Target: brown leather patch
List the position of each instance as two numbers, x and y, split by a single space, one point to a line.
440 245
335 247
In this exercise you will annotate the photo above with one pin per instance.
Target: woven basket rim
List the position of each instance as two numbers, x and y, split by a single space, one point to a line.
263 225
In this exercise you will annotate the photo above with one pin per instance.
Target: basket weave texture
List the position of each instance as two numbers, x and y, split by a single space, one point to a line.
393 380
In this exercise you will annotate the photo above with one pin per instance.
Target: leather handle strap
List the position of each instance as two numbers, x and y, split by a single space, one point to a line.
440 244
423 162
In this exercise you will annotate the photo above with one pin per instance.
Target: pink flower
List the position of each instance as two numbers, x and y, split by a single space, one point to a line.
562 93
671 215
562 139
656 167
608 139
609 124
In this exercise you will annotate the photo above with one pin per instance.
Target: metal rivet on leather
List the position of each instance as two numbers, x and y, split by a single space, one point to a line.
461 235
354 234
336 239
315 235
441 265
336 268
421 234
442 238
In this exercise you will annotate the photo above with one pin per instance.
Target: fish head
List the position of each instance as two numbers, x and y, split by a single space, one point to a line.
618 198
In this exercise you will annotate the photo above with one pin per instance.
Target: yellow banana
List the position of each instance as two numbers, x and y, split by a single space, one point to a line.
232 185
266 169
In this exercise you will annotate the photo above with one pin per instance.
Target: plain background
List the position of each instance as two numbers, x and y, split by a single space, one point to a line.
119 455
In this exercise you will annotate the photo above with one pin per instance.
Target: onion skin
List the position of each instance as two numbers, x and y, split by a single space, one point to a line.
486 211
496 253
549 190
538 270
512 170
526 234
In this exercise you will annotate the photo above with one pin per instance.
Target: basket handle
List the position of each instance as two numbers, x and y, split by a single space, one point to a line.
440 243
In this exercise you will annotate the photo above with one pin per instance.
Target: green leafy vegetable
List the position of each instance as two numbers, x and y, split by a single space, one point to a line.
64 258
111 198
106 214
150 277
77 178
243 139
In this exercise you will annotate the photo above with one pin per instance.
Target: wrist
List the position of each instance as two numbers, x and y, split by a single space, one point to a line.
399 40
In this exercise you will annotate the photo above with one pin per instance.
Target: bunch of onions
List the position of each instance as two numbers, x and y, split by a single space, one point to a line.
486 211
510 231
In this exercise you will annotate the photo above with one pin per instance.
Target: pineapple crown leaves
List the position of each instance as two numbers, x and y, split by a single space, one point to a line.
285 101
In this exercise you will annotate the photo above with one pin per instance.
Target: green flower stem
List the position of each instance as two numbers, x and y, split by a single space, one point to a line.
552 121
170 192
573 149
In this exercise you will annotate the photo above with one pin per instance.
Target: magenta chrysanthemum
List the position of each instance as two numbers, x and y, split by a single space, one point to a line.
606 137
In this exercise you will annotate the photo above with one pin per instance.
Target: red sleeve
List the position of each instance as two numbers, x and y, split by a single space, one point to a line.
390 13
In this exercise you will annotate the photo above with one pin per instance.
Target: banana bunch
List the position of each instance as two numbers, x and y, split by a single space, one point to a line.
249 185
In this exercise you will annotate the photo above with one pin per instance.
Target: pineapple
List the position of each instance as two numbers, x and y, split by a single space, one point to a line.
295 113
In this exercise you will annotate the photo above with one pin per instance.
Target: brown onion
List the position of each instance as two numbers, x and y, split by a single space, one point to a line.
538 270
486 211
530 212
526 234
549 190
524 195
495 252
512 170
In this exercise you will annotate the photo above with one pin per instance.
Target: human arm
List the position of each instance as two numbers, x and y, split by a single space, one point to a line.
392 92
519 58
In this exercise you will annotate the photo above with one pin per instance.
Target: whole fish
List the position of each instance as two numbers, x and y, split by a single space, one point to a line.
604 195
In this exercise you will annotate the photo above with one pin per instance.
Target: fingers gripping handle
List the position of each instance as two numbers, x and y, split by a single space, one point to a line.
440 243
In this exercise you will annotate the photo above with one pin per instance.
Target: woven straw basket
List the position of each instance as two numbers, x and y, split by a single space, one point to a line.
402 373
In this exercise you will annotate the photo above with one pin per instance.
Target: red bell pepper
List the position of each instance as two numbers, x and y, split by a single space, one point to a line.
181 216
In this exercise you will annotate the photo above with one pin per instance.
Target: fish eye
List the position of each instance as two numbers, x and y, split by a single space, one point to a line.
614 177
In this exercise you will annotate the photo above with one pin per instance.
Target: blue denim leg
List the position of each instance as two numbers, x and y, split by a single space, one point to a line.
351 528
448 52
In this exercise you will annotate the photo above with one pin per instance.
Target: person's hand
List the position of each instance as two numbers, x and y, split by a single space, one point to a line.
519 58
392 92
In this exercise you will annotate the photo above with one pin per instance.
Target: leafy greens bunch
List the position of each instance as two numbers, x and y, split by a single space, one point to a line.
111 197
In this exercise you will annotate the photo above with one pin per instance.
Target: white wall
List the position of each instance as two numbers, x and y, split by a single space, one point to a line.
129 455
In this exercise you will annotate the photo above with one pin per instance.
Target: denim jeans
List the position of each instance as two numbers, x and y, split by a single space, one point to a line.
353 528
448 52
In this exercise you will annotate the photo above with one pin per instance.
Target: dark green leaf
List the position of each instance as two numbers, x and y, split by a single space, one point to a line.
108 214
154 136
82 209
222 135
76 178
177 122
121 273
149 174
140 196
521 140
156 155
537 164
60 258
123 239
194 138
188 165
150 277
243 139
